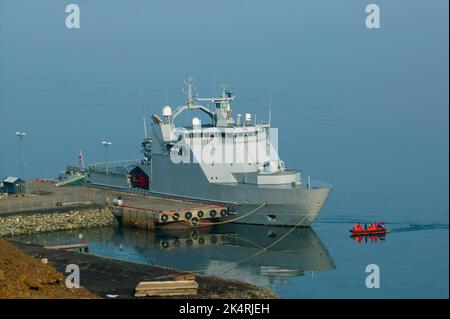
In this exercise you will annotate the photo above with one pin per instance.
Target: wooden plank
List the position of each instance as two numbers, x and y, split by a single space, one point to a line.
166 294
167 284
165 288
163 291
150 221
154 293
126 217
183 276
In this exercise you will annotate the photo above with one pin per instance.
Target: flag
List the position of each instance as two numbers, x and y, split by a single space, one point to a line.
80 160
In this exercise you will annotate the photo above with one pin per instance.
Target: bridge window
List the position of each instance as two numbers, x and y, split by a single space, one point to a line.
221 105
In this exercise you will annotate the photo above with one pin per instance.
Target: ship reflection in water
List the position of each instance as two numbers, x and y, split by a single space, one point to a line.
230 251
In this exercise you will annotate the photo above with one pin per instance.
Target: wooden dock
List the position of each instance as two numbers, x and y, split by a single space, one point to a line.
150 218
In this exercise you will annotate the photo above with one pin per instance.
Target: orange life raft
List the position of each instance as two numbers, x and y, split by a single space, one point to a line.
379 229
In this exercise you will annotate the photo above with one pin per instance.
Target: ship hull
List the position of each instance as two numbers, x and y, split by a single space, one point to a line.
276 208
283 205
287 206
294 214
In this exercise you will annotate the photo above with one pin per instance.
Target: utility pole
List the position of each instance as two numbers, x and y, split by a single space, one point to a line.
21 135
106 144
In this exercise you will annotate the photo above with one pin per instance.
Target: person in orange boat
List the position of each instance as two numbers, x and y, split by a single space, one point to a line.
357 228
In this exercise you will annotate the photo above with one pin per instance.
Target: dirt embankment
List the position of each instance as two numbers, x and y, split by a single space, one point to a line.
22 276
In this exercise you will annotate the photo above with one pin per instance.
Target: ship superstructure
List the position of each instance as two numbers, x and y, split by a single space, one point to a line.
229 160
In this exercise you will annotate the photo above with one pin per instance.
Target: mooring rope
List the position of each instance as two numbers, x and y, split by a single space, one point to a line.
234 219
269 246
204 223
263 249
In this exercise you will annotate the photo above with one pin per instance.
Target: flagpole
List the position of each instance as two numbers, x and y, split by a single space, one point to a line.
81 160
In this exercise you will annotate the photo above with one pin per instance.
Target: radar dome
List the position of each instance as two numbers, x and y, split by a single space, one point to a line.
167 111
196 123
248 118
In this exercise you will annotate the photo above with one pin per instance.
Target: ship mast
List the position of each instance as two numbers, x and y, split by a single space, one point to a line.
192 103
143 113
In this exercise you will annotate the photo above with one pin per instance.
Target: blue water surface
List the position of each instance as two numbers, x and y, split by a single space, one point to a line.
363 109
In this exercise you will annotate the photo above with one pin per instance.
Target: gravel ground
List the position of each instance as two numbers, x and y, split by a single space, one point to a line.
22 276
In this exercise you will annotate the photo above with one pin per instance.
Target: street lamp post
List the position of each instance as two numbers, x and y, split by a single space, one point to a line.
21 135
106 144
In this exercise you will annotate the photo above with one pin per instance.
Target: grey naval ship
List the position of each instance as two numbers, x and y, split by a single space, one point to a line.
253 181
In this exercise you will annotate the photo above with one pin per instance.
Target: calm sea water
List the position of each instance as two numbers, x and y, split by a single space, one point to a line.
366 110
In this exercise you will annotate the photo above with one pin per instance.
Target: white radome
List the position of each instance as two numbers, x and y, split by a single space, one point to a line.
196 122
167 111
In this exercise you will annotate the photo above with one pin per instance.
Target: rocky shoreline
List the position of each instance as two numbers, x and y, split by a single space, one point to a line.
39 223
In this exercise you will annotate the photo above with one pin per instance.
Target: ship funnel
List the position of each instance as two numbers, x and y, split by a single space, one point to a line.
248 118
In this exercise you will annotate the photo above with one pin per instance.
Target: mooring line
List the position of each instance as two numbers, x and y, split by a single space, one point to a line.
201 223
234 219
269 246
254 255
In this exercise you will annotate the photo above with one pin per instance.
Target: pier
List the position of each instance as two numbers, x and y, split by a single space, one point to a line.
142 211
81 247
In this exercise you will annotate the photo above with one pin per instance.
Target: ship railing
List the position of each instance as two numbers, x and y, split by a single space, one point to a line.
111 166
75 169
137 191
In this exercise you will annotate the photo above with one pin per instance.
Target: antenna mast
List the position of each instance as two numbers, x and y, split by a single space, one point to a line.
81 160
143 114
270 109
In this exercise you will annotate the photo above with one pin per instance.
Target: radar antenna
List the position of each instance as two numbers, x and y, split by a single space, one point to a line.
225 92
190 96
192 103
